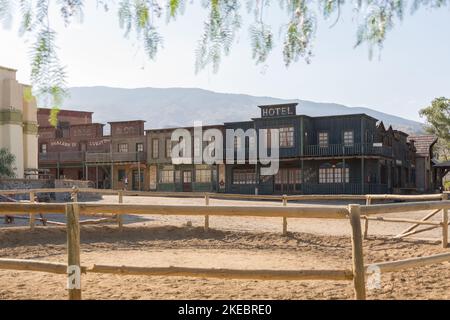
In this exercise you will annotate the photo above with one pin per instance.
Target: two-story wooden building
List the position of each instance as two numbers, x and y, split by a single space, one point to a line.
77 149
63 149
327 155
350 154
125 159
166 176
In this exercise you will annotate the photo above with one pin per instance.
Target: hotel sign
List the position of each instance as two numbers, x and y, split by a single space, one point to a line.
278 110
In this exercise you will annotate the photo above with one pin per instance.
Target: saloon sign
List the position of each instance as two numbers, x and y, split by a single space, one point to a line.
278 110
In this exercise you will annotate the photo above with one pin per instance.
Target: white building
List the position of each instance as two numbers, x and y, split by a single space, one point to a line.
18 121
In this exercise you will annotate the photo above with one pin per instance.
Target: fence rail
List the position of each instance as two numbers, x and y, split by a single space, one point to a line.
354 213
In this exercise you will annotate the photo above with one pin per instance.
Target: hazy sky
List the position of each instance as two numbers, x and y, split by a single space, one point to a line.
413 68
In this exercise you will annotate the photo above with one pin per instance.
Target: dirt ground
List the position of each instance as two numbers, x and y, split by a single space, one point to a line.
237 243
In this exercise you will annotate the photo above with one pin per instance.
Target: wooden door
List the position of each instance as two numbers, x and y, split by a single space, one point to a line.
187 181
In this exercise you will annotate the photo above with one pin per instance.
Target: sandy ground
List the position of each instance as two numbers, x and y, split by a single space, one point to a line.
240 243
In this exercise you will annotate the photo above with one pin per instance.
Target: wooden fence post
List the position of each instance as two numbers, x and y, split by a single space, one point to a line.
444 223
32 216
74 194
357 252
284 218
206 217
119 216
366 221
73 251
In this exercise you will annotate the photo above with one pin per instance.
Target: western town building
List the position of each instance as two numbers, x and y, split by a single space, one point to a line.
167 176
350 154
78 149
18 123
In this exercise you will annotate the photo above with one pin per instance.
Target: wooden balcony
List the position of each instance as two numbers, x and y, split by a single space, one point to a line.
69 157
357 149
81 157
344 188
116 157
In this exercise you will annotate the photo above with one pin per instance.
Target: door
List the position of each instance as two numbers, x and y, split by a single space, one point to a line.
138 181
187 181
288 181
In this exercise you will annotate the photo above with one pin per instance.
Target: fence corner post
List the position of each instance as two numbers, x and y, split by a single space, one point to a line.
73 251
357 252
444 223
32 216
285 201
207 216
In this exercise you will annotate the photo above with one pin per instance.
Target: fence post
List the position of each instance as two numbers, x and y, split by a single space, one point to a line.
366 221
73 251
119 216
206 217
284 218
444 223
32 217
74 194
357 252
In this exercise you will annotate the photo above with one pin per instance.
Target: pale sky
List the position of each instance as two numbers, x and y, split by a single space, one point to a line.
413 68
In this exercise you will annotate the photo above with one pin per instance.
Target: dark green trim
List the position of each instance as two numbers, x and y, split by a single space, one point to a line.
30 128
11 117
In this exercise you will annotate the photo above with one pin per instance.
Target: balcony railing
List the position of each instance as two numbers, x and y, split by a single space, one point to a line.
72 156
344 188
116 157
80 156
348 150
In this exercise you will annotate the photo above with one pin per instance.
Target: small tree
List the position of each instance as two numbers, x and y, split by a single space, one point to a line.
438 123
7 160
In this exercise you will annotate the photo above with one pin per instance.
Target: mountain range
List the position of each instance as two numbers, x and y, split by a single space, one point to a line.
174 107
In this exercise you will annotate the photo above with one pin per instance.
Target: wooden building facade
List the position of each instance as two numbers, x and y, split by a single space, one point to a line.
346 154
167 176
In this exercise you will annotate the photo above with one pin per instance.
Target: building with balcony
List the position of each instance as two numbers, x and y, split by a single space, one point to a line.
347 154
164 175
77 149
18 122
63 149
127 157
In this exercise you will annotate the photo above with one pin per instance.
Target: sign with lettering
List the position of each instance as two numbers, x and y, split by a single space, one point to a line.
98 143
278 110
63 144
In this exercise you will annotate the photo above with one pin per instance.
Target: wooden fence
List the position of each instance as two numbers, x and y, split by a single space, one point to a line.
284 199
352 212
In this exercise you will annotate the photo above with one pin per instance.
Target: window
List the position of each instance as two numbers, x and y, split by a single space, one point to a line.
123 147
62 130
286 137
155 148
323 139
178 176
203 175
244 177
334 174
166 176
121 174
348 138
289 176
212 140
197 147
139 147
182 144
168 148
237 143
44 148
